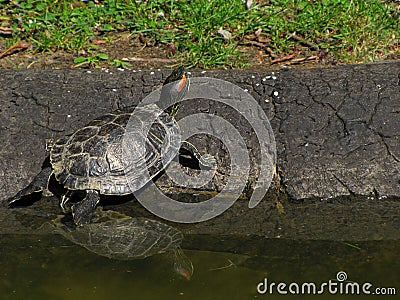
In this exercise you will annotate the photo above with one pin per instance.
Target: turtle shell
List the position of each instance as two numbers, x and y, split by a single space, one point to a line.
125 239
113 154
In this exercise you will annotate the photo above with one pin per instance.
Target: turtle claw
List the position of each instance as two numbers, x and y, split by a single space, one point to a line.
11 201
64 201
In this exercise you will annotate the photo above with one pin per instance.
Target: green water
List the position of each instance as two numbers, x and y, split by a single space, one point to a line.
50 267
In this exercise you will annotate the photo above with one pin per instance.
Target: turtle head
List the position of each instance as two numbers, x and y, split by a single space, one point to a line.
177 74
174 89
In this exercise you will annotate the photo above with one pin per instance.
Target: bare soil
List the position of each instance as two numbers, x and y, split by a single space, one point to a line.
141 53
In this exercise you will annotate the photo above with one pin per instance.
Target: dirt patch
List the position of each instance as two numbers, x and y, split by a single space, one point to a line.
142 54
121 47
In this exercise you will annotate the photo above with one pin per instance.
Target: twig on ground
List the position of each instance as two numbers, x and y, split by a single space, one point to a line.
18 46
303 41
303 59
262 46
150 59
286 57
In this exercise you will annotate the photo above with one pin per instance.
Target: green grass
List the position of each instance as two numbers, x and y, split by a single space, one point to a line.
350 31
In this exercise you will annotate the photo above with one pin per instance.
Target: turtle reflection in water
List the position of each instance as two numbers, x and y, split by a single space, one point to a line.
93 160
117 236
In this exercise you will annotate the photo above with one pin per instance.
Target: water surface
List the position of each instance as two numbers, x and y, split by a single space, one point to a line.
47 266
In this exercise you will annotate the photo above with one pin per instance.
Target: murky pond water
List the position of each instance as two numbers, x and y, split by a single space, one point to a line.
37 263
47 266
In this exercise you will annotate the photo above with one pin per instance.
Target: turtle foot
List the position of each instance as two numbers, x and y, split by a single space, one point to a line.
82 210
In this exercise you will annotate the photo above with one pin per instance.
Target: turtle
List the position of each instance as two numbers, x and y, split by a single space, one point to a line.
118 236
92 159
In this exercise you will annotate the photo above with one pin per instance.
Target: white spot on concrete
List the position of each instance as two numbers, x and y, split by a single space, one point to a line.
276 93
89 72
203 72
246 90
274 77
114 90
252 76
69 116
152 73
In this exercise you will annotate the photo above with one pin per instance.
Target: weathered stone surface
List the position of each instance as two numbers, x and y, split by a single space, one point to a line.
340 130
337 129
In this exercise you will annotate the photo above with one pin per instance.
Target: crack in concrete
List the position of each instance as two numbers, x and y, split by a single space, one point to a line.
344 184
388 148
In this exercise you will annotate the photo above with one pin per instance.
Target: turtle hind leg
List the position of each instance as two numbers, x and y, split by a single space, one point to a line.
82 210
38 184
205 160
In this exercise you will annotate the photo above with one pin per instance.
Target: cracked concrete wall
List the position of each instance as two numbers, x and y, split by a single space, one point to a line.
337 129
340 130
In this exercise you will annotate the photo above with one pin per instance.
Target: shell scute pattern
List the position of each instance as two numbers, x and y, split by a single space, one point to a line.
97 166
84 133
108 128
94 145
75 148
122 120
78 165
105 119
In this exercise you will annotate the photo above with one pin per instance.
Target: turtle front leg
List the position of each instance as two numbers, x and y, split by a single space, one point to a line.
38 184
205 160
82 210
